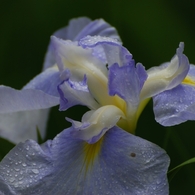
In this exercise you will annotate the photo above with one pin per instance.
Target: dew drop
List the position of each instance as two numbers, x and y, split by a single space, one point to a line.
12 180
24 164
35 171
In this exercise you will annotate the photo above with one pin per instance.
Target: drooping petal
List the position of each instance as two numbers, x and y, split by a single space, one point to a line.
22 111
77 29
47 81
95 123
177 105
166 76
12 100
120 163
20 126
75 93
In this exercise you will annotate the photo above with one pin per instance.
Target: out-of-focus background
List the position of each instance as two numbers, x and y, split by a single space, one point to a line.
151 30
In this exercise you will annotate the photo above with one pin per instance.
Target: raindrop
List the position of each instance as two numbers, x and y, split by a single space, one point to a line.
12 180
20 178
35 171
24 164
16 169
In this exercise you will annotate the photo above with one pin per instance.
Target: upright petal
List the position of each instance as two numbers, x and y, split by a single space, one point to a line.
166 76
126 82
107 49
120 163
177 105
81 62
77 29
130 85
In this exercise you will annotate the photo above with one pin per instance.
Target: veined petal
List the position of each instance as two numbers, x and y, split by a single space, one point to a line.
126 82
5 188
95 123
107 49
75 93
81 62
177 105
77 29
129 87
47 81
98 27
27 99
120 164
20 126
166 76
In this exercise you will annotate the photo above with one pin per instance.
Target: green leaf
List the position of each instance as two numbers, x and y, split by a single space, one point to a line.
5 147
39 138
174 171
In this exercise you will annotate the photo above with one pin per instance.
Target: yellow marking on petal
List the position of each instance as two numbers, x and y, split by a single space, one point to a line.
188 81
91 152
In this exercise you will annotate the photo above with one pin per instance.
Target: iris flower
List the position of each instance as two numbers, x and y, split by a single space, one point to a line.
100 154
22 111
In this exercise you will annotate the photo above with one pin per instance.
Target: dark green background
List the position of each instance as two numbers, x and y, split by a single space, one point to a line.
151 30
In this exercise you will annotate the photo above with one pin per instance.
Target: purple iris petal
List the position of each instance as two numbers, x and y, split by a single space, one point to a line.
167 75
124 164
175 106
107 49
127 81
75 93
77 29
13 100
47 81
183 67
19 126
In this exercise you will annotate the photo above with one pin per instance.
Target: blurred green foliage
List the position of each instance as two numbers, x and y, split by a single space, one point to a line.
151 30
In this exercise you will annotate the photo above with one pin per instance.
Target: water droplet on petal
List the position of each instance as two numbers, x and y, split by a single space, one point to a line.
12 180
35 171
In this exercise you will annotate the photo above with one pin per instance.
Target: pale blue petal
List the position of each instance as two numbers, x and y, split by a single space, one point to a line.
22 111
96 123
167 75
77 29
75 93
81 62
5 189
47 81
67 33
13 100
177 105
125 164
127 81
98 27
20 126
107 49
